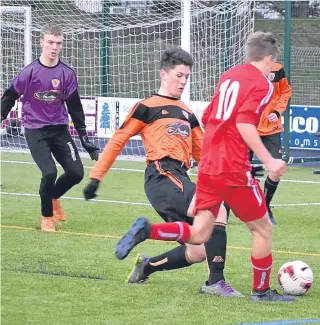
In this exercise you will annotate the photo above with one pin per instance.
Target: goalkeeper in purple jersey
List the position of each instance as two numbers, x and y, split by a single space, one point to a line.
47 84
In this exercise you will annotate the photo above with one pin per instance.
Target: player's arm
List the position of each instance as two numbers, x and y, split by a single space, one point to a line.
15 90
76 112
7 102
246 122
197 138
132 125
285 93
250 135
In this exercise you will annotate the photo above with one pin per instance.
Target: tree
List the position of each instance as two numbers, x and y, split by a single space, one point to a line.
105 117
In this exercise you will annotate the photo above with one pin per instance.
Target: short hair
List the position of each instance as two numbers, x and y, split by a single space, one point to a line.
175 56
51 29
259 45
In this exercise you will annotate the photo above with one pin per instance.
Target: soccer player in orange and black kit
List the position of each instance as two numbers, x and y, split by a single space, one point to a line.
171 134
270 127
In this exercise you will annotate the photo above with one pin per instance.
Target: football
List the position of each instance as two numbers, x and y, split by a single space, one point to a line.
295 278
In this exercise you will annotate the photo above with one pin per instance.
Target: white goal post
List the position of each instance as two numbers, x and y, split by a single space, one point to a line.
26 25
115 48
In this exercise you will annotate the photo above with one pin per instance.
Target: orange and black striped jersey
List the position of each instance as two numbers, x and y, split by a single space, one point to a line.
278 101
168 128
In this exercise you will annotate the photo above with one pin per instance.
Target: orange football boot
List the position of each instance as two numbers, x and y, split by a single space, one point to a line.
47 224
58 212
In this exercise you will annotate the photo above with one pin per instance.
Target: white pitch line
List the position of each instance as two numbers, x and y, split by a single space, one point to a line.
144 204
142 171
80 198
296 181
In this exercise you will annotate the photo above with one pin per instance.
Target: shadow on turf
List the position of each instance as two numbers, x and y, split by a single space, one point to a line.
61 274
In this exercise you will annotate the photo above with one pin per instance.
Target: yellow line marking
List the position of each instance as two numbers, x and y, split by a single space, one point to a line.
118 237
64 232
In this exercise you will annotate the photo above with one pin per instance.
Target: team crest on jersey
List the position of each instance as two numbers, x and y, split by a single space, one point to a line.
179 128
271 76
186 115
55 83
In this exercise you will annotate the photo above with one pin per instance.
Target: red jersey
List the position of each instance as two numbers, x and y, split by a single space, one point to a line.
242 93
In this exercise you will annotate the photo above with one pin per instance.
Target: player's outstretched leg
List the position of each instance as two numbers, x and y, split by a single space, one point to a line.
139 232
138 273
173 259
143 229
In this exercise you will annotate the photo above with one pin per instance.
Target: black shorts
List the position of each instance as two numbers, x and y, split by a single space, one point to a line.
53 140
169 189
273 143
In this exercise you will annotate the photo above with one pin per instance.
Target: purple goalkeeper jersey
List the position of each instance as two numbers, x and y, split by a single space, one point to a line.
45 90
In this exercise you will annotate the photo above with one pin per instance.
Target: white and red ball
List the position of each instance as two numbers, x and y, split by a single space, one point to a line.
295 278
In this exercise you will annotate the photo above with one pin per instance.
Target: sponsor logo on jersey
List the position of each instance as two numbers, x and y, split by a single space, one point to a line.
179 128
47 96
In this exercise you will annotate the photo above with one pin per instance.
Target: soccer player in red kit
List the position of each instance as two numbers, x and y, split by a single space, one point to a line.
230 123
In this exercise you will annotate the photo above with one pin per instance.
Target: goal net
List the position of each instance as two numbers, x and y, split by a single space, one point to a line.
115 49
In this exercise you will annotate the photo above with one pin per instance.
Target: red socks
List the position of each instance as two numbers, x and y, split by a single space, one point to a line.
172 231
261 272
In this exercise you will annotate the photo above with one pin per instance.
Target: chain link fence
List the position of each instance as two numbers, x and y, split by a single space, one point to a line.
305 44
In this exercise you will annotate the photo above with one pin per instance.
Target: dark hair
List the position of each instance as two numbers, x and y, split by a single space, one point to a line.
175 56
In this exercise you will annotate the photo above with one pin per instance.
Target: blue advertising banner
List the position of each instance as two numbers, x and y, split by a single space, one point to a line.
304 127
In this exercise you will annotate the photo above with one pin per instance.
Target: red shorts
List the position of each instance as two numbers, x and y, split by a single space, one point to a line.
241 191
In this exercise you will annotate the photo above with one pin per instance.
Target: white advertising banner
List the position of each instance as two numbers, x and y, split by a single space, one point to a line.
91 123
112 113
89 105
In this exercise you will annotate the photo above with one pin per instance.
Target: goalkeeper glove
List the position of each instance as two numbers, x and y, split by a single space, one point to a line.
92 150
90 190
